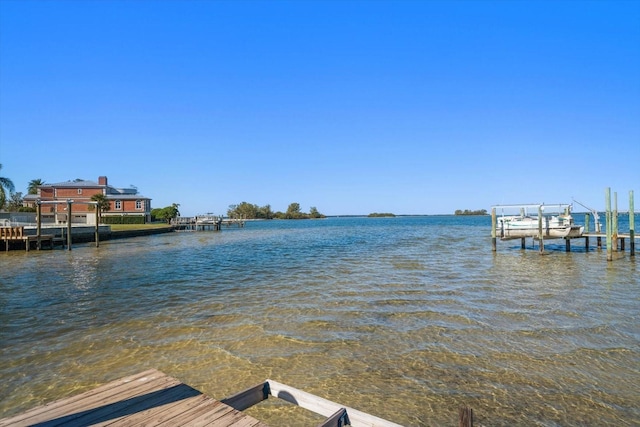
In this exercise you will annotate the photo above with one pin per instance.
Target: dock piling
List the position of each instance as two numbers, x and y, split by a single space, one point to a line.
614 222
97 225
493 229
69 203
38 224
465 417
587 220
632 225
540 236
609 225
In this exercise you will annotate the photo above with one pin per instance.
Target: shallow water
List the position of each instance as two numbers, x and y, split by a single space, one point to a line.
405 318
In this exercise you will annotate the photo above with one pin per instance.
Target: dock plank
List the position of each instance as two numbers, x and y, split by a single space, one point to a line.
150 398
115 391
207 415
173 413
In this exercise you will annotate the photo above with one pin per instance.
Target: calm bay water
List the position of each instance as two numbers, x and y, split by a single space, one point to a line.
405 318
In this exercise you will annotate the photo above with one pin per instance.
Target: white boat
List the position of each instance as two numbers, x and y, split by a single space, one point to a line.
560 226
206 220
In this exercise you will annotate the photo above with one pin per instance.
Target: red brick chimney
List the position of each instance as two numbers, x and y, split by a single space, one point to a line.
102 180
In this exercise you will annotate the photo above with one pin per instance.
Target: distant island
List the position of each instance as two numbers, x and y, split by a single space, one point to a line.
246 210
380 215
468 212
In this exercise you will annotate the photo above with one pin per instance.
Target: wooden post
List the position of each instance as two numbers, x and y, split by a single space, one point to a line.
493 229
69 225
465 417
39 224
632 226
540 236
587 220
614 222
523 243
609 225
97 225
567 244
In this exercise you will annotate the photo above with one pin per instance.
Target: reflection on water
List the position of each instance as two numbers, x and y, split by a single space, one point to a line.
405 318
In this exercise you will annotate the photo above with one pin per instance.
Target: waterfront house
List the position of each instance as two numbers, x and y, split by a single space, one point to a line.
122 201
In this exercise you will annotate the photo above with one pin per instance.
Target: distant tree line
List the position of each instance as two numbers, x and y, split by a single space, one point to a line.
12 200
469 212
378 215
165 214
246 210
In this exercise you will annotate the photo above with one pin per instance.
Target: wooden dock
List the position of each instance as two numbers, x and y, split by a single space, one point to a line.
615 241
149 398
17 235
204 223
152 398
196 223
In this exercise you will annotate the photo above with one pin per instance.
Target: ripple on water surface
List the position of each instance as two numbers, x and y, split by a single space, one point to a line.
405 318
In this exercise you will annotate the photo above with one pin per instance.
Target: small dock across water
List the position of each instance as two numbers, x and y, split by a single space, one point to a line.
204 223
615 240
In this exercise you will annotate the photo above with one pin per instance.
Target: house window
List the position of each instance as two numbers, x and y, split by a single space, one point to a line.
79 190
138 204
118 205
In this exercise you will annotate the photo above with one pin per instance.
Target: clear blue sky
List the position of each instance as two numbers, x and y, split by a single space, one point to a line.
353 107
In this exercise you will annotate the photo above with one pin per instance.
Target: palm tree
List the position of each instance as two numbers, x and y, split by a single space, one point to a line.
103 204
6 186
33 186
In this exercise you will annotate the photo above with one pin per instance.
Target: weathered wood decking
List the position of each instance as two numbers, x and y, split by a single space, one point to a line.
147 398
152 398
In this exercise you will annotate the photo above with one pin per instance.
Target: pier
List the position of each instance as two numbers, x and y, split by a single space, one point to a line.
196 223
204 223
615 240
27 235
153 398
17 235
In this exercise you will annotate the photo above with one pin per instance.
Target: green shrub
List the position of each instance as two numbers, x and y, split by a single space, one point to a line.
128 219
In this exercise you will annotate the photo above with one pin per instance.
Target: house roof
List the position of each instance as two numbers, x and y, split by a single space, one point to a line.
112 193
35 197
126 197
75 184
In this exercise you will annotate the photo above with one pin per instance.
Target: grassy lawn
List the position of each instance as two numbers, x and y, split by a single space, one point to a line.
122 227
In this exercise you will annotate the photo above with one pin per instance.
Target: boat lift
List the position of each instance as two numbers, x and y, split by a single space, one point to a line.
537 207
596 217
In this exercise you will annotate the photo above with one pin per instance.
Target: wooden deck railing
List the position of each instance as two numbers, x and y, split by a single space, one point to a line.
17 234
338 415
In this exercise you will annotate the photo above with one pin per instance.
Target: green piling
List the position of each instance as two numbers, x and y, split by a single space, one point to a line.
632 224
614 222
609 225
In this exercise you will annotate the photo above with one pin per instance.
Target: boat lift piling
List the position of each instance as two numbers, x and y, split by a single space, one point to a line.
587 223
494 224
607 197
69 203
540 235
614 222
632 225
